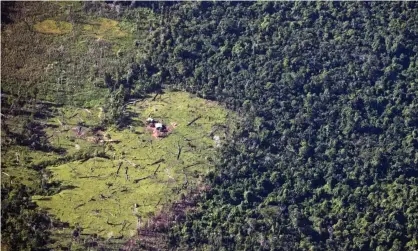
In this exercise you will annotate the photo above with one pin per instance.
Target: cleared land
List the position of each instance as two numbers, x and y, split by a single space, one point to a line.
138 173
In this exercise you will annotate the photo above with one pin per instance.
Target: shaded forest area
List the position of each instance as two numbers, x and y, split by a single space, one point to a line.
326 158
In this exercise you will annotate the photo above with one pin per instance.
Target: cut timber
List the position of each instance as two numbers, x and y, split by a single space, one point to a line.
179 152
120 164
72 116
126 173
153 99
194 120
143 178
157 162
156 170
82 204
103 197
148 176
195 164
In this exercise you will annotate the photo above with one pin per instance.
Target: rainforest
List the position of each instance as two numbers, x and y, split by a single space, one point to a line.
205 125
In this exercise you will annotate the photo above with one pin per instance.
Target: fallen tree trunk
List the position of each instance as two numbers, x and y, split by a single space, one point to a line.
120 164
157 162
156 170
82 204
179 152
126 173
194 120
72 116
143 178
148 176
194 164
153 99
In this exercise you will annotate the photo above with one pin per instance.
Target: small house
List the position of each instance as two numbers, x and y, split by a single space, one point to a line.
159 126
150 120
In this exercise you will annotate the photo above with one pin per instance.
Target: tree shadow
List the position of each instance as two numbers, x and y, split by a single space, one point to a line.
34 137
7 9
55 187
128 121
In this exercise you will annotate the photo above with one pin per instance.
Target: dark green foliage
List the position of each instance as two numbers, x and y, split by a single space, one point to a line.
23 227
114 107
326 157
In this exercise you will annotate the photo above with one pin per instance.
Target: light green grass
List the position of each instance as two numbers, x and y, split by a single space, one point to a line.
102 202
53 27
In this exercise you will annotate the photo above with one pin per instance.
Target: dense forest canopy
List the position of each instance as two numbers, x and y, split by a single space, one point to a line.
326 157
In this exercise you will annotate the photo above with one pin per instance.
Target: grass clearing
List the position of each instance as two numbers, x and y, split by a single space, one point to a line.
119 34
105 28
53 27
102 200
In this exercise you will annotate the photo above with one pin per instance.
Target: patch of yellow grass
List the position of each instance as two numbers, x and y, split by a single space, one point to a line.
105 28
53 27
